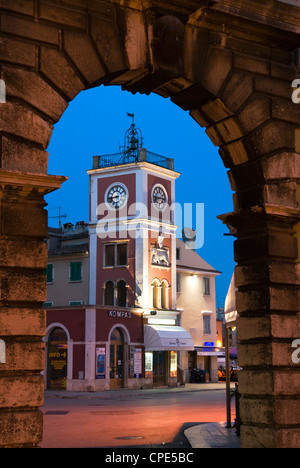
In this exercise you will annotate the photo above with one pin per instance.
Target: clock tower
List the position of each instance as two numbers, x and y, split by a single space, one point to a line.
132 228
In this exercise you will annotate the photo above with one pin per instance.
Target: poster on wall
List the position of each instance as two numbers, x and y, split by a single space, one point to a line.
135 362
100 363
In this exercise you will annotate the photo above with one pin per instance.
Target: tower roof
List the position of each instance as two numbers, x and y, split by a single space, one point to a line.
132 152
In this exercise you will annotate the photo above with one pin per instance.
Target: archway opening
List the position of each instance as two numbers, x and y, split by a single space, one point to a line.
117 358
95 123
57 356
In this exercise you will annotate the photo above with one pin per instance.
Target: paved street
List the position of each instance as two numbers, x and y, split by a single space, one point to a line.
130 418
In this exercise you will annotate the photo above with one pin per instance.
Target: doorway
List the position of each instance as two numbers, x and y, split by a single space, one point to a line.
117 359
57 360
160 360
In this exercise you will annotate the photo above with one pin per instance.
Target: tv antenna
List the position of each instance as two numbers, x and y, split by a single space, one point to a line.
59 216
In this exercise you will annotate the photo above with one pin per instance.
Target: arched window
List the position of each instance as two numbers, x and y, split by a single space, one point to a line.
164 295
155 295
109 293
122 293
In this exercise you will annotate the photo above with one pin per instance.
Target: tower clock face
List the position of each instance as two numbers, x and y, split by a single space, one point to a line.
159 197
116 196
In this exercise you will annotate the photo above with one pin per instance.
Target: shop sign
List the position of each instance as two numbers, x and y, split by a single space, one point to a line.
119 314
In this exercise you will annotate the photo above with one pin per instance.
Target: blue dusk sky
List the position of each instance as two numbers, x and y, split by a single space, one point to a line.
95 123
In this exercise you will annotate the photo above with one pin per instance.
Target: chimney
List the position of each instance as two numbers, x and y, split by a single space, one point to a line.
81 226
68 227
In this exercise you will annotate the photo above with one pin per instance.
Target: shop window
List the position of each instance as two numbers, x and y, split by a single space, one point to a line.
122 293
50 273
75 271
109 293
206 286
116 255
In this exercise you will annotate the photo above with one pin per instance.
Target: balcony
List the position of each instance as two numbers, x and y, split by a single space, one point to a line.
132 157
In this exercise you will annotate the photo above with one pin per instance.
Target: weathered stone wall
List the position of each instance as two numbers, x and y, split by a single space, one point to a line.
232 69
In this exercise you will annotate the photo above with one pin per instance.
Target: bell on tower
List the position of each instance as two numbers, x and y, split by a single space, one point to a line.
133 140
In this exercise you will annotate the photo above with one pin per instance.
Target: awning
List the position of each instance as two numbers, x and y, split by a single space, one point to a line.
230 307
167 338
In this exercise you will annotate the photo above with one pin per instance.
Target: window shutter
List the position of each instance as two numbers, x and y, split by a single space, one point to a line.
75 273
49 273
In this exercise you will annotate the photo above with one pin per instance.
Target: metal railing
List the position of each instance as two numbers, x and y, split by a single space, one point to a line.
131 157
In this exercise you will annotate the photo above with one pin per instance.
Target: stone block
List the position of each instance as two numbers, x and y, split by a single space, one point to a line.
282 194
255 113
237 152
18 52
255 354
30 87
288 438
272 87
21 391
286 110
257 411
237 90
257 437
24 356
256 382
287 381
22 122
81 50
22 321
136 40
62 15
281 166
269 326
29 254
217 69
200 118
18 156
24 286
266 437
107 40
250 64
27 221
21 429
29 29
216 110
19 6
230 130
274 136
56 68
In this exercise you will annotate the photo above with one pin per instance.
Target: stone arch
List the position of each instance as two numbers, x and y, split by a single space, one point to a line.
233 75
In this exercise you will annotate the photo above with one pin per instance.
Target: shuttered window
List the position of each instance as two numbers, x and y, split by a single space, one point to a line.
75 271
49 273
